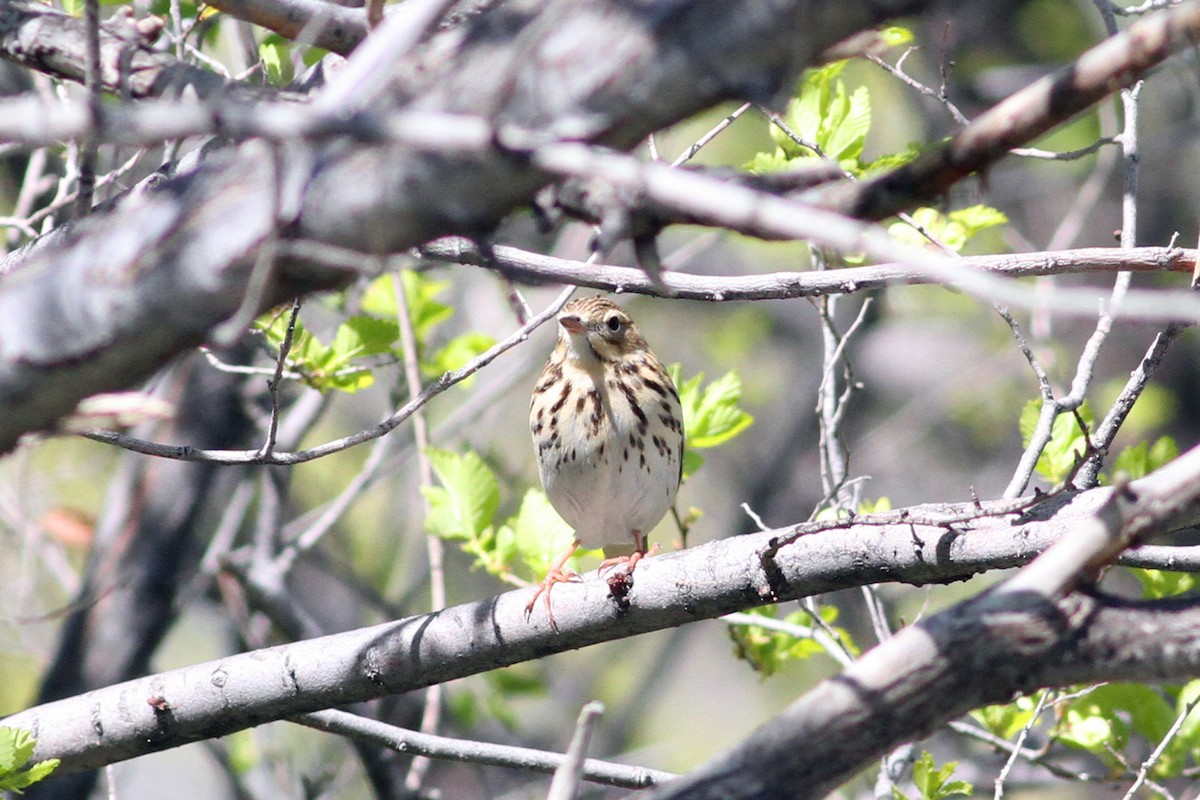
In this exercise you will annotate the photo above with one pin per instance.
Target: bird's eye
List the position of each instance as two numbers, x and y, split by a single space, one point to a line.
613 323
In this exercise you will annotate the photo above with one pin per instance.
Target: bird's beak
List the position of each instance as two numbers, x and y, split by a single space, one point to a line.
572 323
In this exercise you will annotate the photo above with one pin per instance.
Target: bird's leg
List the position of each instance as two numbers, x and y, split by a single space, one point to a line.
639 552
556 575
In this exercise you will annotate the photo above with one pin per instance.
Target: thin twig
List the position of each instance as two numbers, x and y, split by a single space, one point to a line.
897 71
407 741
690 153
1144 770
565 785
233 457
434 547
1016 750
89 148
273 383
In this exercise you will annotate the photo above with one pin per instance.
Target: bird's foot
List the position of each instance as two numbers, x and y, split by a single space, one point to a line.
556 575
632 559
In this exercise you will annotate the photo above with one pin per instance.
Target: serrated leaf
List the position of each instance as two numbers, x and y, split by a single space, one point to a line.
1162 452
846 133
952 230
364 336
1007 720
764 162
1088 731
1188 735
379 298
766 649
1104 718
540 535
712 416
874 506
933 782
1067 439
891 161
427 312
977 218
463 506
16 748
458 352
895 35
1139 460
808 112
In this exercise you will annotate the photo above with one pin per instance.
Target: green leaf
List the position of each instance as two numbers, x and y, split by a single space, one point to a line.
426 311
711 416
895 35
1157 584
692 461
891 161
952 230
1007 720
766 649
364 336
1103 719
540 535
934 782
242 752
847 133
16 748
458 352
764 162
1067 439
974 219
463 506
874 506
826 114
1139 460
275 54
1188 735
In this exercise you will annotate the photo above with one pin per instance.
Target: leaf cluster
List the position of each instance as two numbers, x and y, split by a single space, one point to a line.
344 364
16 749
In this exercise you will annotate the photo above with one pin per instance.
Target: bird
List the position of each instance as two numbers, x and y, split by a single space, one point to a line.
607 429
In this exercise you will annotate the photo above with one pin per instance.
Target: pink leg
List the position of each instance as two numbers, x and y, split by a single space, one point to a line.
556 575
639 552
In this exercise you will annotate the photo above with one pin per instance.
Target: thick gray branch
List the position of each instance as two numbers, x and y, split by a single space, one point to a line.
107 303
1025 634
36 36
525 266
926 544
1113 64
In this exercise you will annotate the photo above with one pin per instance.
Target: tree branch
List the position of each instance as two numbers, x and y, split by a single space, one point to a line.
525 266
182 251
216 698
1021 636
36 36
1113 64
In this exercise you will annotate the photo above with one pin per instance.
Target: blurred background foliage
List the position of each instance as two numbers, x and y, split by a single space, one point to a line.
935 418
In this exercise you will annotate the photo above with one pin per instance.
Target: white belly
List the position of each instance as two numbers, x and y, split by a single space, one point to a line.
608 486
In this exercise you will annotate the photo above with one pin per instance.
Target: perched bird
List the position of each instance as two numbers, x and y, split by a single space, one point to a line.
608 433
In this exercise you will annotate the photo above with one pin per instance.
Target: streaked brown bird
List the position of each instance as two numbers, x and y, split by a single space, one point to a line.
608 434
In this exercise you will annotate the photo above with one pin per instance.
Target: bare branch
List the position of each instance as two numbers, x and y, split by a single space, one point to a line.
602 772
240 691
1115 63
36 36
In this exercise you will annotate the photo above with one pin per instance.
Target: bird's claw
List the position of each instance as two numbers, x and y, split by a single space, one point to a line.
543 591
